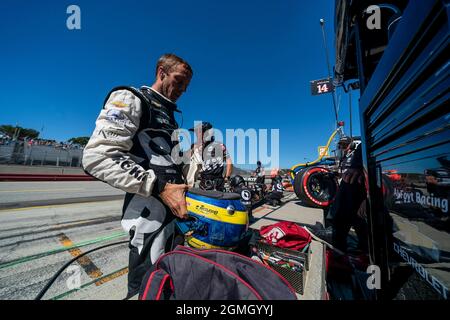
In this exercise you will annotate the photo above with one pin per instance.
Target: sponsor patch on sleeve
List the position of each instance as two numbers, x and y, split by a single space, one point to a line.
119 104
118 117
113 114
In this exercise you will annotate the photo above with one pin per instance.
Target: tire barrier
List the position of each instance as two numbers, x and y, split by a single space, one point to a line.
316 186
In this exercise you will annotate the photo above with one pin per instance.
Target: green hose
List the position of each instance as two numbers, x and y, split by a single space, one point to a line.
50 252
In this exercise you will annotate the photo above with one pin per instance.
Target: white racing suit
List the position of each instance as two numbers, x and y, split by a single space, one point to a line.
208 162
130 149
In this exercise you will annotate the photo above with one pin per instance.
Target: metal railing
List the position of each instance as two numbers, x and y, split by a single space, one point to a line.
39 155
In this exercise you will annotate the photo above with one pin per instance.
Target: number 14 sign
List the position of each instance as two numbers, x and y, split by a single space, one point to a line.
321 86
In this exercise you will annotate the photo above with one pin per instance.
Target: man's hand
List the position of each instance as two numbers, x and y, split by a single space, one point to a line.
174 197
353 175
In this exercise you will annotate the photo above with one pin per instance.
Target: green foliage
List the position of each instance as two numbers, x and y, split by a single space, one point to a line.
9 130
19 131
82 141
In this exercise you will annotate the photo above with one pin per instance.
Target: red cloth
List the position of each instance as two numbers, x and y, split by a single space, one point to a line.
286 235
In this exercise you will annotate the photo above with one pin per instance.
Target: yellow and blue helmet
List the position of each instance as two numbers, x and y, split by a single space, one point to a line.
217 219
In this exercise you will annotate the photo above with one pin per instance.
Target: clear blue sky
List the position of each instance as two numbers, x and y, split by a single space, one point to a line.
252 62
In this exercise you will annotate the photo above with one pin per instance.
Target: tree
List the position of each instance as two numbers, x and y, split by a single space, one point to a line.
82 141
28 133
19 131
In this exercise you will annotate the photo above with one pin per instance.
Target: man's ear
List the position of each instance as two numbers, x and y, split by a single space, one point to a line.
161 73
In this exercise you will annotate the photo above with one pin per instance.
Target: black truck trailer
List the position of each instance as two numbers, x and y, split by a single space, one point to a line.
399 53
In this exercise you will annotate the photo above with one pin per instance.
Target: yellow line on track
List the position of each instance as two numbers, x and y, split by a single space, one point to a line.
85 262
112 277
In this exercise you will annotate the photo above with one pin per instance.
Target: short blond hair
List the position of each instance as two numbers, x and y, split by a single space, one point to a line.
169 61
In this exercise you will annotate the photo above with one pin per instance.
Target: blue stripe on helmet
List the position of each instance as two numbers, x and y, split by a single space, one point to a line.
218 233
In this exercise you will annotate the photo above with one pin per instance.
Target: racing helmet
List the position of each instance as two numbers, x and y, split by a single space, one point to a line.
217 220
344 142
205 126
236 181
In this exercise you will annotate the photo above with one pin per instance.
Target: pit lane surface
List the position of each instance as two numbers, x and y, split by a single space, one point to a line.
36 241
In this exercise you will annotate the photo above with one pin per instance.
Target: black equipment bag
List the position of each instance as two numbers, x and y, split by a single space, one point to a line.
192 274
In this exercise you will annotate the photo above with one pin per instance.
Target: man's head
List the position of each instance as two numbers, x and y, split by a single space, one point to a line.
344 142
258 163
201 129
173 75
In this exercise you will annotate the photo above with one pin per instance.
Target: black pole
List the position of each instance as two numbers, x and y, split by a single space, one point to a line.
322 23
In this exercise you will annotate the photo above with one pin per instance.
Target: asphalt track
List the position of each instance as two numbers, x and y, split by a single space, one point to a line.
30 194
45 224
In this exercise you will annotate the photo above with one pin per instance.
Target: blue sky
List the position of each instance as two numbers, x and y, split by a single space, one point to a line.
252 62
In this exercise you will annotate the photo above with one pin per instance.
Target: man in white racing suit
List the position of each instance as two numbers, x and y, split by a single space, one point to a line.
208 160
131 149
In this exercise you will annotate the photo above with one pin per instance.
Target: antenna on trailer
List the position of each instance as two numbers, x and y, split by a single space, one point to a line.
349 89
322 23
